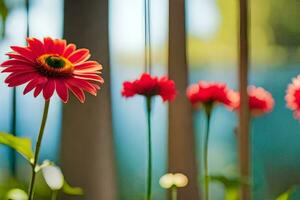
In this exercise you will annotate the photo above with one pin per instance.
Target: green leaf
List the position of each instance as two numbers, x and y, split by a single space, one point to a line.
67 189
21 145
227 182
232 193
286 195
3 14
231 186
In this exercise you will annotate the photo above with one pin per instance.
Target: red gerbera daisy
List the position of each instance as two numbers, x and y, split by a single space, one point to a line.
149 86
208 94
293 97
260 100
52 65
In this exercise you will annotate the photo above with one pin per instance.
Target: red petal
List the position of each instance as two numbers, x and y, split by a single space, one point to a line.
77 92
59 46
25 52
48 90
49 45
19 68
79 55
69 49
33 83
19 79
128 89
83 85
36 46
89 66
62 90
38 89
92 77
15 62
19 57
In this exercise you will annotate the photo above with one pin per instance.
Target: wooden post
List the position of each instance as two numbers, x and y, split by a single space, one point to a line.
87 146
244 142
182 156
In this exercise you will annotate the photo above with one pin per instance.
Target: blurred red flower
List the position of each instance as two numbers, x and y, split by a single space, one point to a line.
52 65
260 100
208 93
149 86
293 97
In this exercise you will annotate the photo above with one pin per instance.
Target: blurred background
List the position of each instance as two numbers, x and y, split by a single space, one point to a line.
211 27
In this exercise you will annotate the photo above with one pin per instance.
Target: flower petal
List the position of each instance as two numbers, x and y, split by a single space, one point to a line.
49 45
48 90
92 77
77 92
19 68
36 46
19 79
16 56
38 89
59 46
69 49
15 62
25 52
33 83
85 85
79 55
88 66
62 90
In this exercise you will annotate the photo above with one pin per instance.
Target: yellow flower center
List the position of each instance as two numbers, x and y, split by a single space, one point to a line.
54 65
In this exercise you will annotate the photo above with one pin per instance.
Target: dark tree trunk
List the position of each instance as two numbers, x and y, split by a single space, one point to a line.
181 138
87 145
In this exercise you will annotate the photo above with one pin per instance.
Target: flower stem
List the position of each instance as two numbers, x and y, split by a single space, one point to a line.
149 169
54 195
37 150
174 193
206 139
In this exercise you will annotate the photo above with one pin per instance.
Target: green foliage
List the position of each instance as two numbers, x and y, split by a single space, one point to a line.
284 20
21 145
287 194
231 185
3 14
67 189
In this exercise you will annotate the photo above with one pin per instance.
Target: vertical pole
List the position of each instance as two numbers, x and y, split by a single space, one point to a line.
14 104
27 6
87 140
182 156
244 142
148 52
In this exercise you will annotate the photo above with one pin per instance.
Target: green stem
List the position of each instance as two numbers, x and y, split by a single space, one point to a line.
174 193
37 149
206 139
149 169
54 194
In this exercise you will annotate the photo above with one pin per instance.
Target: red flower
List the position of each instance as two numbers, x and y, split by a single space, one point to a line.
205 93
52 65
293 97
260 101
149 86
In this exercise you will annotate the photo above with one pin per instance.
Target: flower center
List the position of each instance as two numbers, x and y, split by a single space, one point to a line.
55 62
54 65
